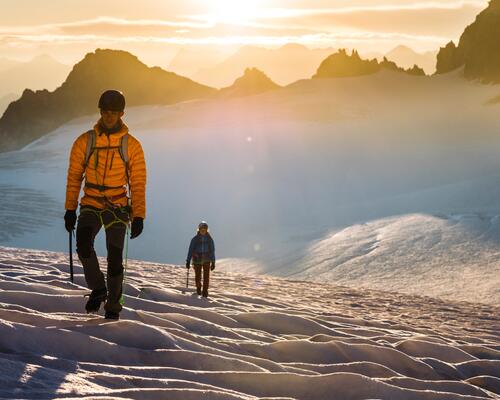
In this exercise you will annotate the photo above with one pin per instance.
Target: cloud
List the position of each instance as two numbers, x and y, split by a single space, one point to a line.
418 6
428 18
421 18
106 26
116 29
430 22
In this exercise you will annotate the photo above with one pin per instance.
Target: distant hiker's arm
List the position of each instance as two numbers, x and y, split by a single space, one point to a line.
212 253
76 170
137 179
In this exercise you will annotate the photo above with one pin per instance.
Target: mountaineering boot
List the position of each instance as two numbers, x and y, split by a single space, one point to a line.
97 297
112 315
198 290
205 293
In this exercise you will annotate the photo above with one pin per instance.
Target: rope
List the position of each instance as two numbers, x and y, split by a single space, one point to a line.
122 298
99 213
117 220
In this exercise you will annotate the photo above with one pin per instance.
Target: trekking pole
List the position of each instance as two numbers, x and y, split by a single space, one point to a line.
71 255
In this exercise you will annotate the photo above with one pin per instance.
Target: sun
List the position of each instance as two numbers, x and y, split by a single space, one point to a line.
235 11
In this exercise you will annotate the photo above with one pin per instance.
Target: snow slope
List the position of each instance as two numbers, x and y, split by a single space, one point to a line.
454 257
276 175
255 337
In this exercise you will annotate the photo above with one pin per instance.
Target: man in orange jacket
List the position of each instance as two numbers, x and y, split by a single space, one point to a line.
109 158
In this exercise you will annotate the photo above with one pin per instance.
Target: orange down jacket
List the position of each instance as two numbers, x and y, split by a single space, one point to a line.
110 172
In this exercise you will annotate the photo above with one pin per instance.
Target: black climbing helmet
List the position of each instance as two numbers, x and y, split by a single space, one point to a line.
112 100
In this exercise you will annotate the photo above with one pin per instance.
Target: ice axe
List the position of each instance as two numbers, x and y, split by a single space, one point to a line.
187 280
71 255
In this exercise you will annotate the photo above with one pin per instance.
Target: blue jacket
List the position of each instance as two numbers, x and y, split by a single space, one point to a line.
201 249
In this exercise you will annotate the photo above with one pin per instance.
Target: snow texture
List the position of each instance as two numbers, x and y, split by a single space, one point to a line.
254 337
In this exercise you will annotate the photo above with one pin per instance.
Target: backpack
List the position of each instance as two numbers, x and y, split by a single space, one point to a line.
91 149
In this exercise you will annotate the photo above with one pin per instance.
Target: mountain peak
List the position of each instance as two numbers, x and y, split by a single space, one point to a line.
402 49
39 112
341 64
478 50
44 58
253 81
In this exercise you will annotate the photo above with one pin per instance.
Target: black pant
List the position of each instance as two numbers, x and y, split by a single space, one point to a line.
90 221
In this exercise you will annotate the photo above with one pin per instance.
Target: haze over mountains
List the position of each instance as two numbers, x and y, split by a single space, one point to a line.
37 113
406 57
7 63
284 65
42 72
190 59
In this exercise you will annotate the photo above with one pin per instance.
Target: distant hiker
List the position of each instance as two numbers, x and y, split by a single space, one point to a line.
202 252
109 158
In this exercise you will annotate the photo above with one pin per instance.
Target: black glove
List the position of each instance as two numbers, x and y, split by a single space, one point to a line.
188 264
137 227
70 220
212 266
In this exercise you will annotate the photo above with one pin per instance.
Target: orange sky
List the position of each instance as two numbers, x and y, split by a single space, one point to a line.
157 29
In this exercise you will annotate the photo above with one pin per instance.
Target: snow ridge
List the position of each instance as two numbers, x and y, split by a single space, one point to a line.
255 337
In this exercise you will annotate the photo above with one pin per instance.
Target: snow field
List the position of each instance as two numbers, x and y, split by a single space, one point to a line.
278 339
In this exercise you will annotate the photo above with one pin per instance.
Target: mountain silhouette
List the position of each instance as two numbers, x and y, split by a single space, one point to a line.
252 82
478 50
188 59
41 72
406 57
39 112
283 65
341 64
5 100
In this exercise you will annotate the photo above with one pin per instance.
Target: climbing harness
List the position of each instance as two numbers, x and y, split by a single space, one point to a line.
116 220
108 201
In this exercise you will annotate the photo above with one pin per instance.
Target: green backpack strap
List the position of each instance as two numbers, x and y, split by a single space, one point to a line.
122 149
90 146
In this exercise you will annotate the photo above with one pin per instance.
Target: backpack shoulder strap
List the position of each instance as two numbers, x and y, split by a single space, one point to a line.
90 146
123 149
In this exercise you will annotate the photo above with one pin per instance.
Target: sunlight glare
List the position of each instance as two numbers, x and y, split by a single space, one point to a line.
235 11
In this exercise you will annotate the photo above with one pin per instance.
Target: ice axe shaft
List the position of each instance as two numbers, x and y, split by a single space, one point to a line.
71 255
187 281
